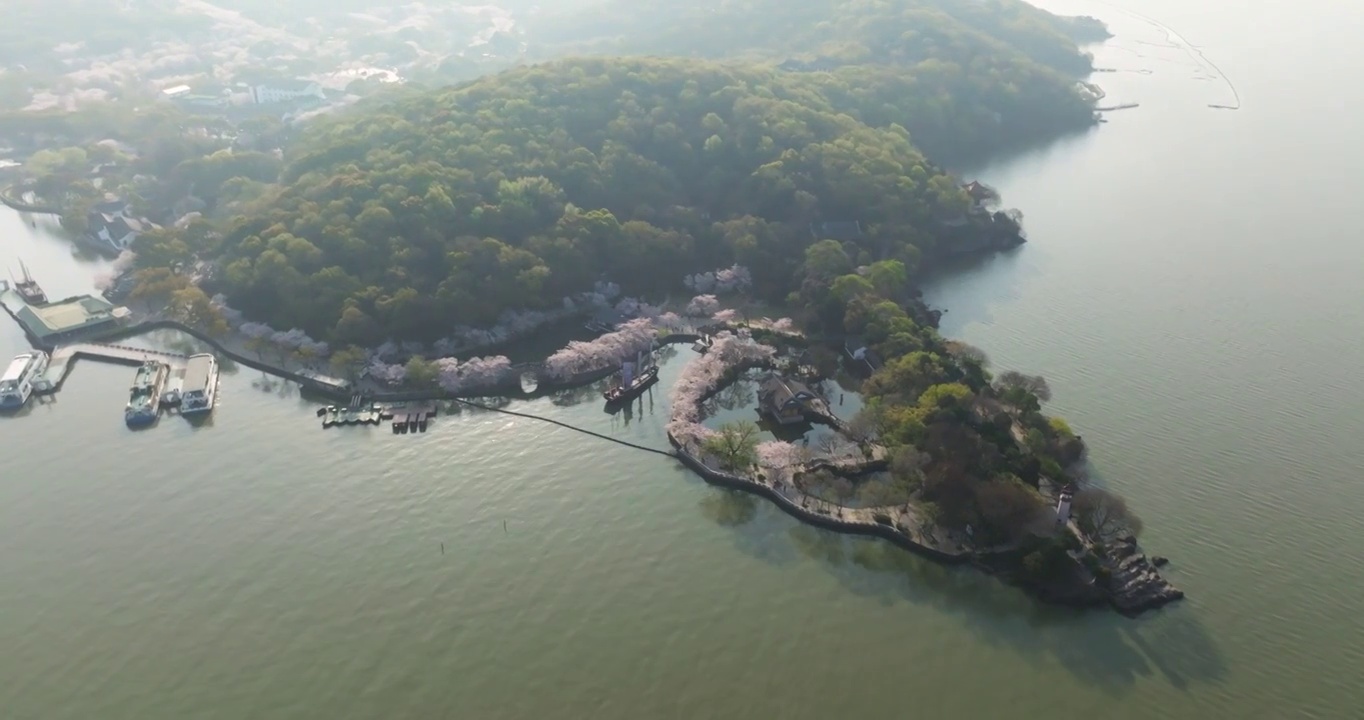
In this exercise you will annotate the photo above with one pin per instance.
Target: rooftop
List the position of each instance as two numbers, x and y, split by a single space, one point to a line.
777 391
69 315
324 379
198 373
16 368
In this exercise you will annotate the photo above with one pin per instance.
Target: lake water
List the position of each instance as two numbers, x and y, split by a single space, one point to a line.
1191 291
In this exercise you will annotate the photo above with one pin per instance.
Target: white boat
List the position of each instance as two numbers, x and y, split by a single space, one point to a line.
199 391
16 385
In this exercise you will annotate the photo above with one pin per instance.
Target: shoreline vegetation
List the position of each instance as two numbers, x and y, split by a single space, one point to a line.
398 239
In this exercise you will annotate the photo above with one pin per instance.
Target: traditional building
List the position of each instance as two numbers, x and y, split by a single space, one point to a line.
784 401
112 226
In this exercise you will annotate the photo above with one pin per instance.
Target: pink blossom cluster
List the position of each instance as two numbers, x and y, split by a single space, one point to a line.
472 375
703 375
734 279
105 280
287 341
671 321
255 330
516 323
630 338
386 373
777 454
634 308
781 325
689 435
728 315
703 305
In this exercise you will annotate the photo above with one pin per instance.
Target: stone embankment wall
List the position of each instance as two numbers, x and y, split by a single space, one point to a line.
12 199
881 530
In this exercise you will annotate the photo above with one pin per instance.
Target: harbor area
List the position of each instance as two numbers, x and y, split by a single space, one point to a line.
64 359
51 323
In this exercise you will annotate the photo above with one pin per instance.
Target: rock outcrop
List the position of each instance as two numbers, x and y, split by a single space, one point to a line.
1134 586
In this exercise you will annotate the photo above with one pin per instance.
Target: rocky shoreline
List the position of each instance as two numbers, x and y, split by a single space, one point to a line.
1134 585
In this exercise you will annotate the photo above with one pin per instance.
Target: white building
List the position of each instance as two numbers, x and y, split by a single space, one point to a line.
281 91
175 92
112 225
1063 507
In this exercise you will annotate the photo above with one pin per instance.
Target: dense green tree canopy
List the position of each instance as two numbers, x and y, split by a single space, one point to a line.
430 210
517 190
965 77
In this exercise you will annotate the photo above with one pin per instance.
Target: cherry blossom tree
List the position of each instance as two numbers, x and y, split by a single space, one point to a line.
388 374
703 305
735 279
256 330
728 315
631 338
290 339
670 321
704 375
779 455
106 280
690 435
635 308
474 375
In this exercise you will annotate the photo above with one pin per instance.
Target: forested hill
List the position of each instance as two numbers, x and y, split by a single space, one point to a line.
519 189
516 190
977 76
881 30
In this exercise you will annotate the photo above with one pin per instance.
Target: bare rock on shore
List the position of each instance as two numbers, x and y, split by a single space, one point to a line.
1134 586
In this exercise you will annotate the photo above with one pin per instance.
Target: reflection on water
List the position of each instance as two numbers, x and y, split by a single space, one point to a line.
729 508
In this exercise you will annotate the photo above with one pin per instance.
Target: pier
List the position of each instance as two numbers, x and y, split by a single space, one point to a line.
65 357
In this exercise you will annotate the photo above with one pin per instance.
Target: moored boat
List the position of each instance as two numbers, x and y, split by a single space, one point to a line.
28 288
634 378
16 384
144 401
199 391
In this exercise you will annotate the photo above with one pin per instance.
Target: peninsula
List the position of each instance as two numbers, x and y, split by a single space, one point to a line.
402 236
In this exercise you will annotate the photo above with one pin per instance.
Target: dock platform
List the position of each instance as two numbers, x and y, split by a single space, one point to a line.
406 418
65 357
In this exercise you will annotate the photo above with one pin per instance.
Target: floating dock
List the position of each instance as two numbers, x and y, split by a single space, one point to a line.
411 418
406 418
